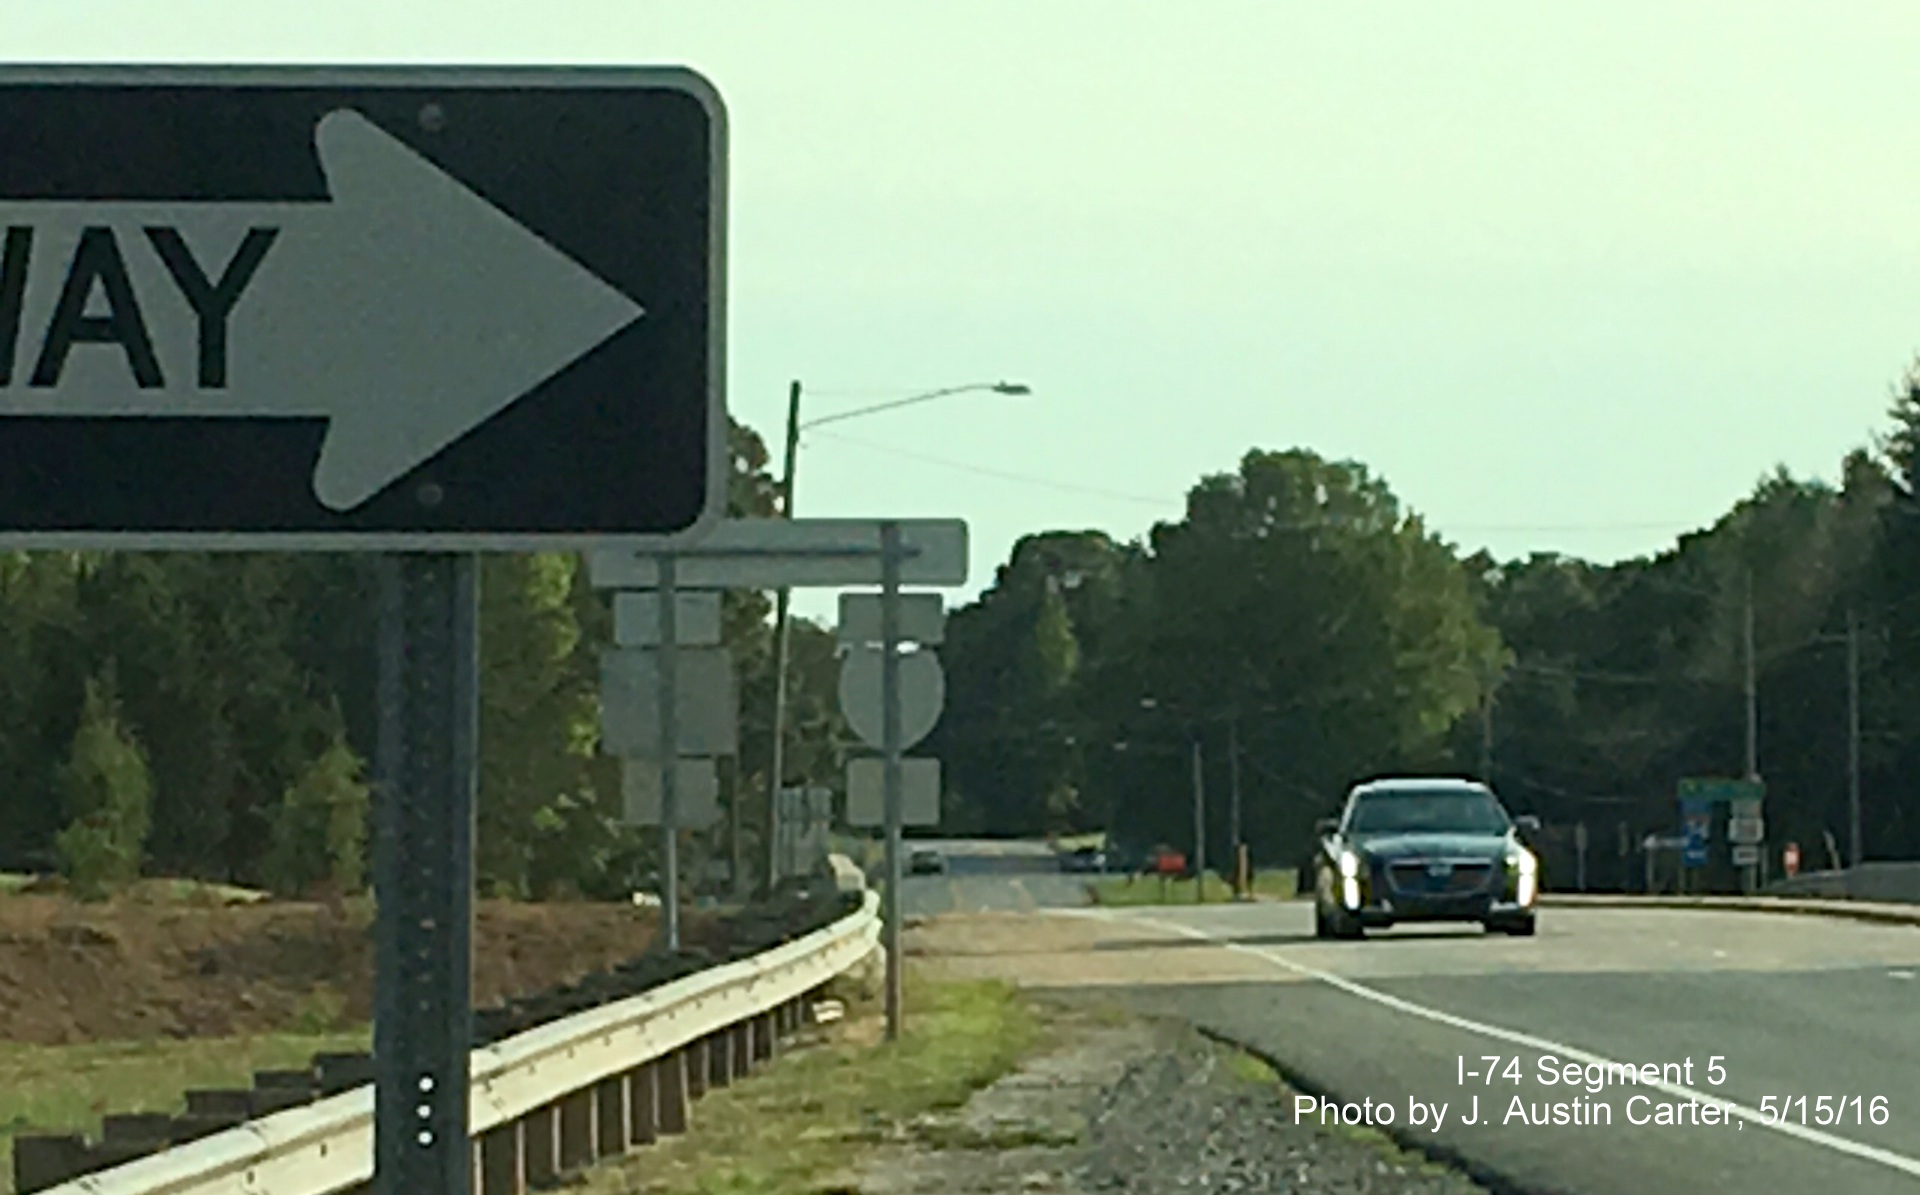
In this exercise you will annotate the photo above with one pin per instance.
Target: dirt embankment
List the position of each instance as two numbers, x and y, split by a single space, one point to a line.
72 973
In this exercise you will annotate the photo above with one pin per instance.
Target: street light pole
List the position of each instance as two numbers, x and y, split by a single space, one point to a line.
781 630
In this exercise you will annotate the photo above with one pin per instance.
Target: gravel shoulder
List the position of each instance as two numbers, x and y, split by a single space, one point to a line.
1123 1103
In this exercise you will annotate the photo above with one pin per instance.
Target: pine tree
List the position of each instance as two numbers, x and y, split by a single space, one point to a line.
107 790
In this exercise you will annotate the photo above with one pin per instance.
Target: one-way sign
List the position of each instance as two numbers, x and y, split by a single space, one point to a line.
360 308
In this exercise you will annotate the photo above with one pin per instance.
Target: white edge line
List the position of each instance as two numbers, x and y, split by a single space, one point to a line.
1870 1153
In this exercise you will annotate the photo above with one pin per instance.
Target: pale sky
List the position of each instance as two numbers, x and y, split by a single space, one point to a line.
1570 276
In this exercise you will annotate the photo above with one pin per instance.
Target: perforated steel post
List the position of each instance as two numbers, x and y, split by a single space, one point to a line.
890 737
428 764
669 754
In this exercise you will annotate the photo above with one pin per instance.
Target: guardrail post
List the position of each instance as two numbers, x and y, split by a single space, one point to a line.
503 1161
540 1143
152 1129
720 1055
577 1114
767 1037
675 1071
40 1162
743 1046
643 1103
614 1122
699 1067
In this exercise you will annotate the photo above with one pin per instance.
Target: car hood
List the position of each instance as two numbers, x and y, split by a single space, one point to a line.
1391 847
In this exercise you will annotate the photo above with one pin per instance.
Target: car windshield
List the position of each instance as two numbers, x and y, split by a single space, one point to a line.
1427 813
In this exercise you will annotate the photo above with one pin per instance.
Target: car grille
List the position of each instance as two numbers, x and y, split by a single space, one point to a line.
1415 878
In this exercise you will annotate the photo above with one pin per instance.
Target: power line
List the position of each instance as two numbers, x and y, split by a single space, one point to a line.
1001 474
1126 496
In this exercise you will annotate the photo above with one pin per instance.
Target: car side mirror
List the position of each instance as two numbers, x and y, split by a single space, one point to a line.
1326 826
1527 822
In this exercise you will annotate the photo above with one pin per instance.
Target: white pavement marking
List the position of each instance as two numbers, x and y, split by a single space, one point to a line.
1855 1149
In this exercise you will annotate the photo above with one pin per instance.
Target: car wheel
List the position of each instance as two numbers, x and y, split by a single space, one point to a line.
1521 927
1344 926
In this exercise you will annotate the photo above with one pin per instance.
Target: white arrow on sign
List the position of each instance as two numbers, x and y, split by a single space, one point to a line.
406 310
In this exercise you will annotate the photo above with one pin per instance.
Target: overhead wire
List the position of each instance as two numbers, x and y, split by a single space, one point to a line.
1127 496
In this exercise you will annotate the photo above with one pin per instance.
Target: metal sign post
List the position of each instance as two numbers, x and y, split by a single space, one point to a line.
669 756
890 700
423 871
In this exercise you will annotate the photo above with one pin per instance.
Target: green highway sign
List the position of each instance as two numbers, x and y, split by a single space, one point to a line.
1708 789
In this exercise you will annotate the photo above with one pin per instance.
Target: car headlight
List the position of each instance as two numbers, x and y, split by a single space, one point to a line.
1350 879
1524 870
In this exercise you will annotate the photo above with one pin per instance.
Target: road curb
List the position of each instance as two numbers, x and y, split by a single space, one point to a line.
1850 910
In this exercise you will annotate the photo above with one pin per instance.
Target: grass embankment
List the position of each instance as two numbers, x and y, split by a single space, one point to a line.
808 1119
1151 890
66 1089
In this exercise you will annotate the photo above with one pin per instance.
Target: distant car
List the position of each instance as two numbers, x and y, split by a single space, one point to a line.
1415 850
1085 859
925 861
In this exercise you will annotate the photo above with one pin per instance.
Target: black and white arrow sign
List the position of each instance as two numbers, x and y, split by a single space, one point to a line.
298 309
316 263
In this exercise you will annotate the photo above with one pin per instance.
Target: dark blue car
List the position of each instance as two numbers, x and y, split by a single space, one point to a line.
1422 850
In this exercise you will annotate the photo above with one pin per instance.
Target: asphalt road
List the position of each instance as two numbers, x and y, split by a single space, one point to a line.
985 876
1781 1006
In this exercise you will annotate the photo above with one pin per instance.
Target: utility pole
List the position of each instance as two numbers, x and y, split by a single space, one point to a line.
1753 714
1233 808
1199 823
1853 740
1486 739
775 769
1753 705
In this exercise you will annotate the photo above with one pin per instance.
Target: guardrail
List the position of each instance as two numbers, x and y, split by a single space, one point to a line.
1833 906
543 1103
1894 882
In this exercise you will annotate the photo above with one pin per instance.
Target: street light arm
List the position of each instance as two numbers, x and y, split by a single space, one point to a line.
996 387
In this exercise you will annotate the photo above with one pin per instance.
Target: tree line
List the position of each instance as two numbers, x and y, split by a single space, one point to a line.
1307 631
210 716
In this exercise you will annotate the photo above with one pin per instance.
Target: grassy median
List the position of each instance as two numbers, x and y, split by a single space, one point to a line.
66 1089
805 1121
1152 890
